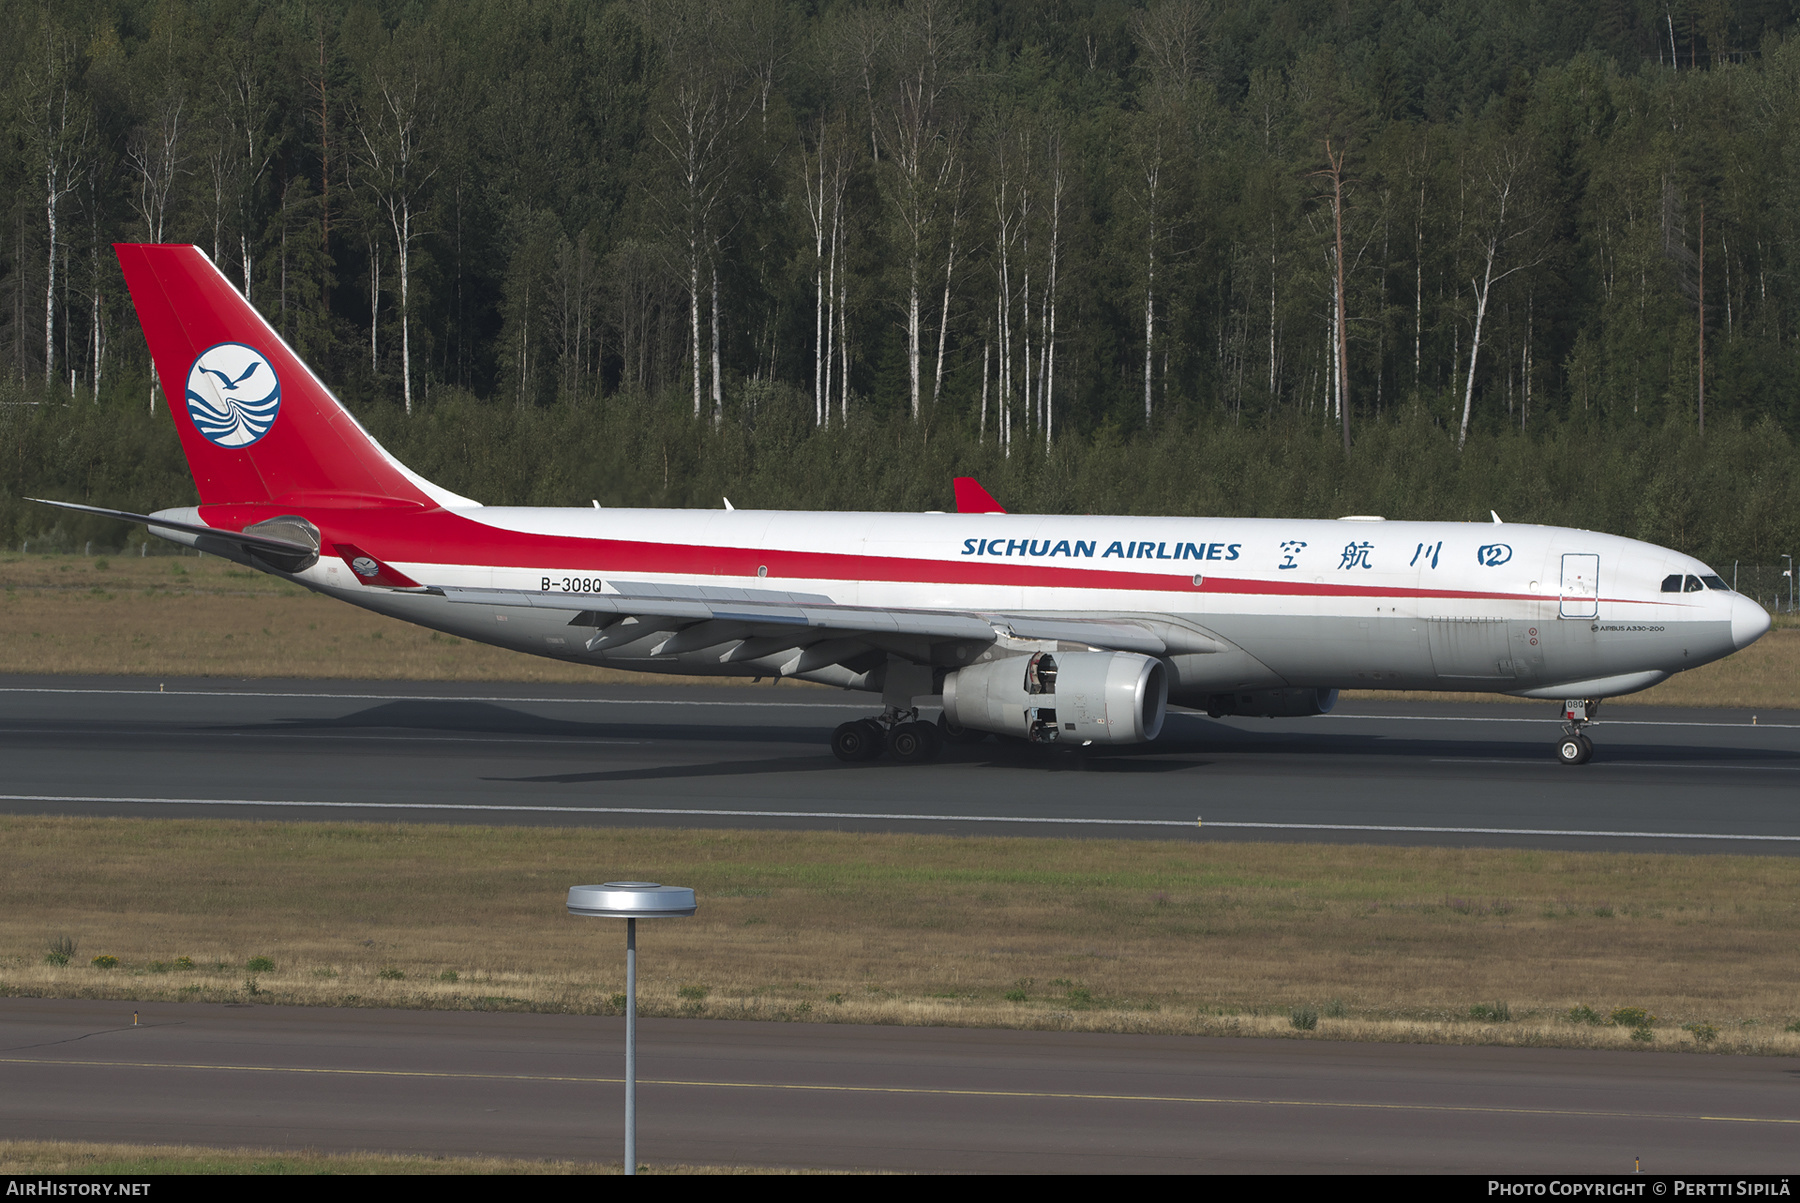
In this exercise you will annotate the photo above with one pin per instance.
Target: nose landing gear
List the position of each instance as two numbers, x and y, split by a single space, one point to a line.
1575 747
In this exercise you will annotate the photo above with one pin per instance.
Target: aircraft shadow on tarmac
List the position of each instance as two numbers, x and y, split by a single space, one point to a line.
1189 741
1021 756
453 717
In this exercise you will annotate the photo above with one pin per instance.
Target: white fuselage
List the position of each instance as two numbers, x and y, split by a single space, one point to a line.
1351 603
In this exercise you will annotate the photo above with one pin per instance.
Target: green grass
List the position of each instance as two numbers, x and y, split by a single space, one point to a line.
95 1159
1177 936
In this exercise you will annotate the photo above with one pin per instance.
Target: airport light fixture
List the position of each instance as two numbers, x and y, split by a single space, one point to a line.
631 901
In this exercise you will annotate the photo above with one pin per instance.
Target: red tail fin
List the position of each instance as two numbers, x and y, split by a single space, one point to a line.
255 423
971 498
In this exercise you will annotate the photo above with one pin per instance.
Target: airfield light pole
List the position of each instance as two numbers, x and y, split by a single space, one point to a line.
1789 574
631 901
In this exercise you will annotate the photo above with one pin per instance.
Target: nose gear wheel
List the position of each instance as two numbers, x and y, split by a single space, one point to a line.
1574 747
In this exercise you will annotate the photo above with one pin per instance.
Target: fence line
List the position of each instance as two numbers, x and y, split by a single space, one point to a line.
1770 585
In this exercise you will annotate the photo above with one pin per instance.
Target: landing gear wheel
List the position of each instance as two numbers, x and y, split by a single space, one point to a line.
1574 749
859 740
914 743
951 733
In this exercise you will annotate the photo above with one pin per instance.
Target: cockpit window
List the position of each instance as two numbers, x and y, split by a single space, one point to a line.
1677 582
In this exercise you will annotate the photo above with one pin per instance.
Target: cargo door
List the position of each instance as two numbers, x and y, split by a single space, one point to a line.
1580 586
1470 649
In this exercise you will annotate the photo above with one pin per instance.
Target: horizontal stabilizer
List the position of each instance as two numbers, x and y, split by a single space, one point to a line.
286 554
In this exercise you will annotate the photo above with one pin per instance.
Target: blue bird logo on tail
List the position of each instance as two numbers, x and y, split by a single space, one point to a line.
233 394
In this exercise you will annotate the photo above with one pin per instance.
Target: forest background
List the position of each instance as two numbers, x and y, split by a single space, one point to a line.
1424 259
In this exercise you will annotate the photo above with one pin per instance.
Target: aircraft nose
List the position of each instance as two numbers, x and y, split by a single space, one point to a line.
1749 621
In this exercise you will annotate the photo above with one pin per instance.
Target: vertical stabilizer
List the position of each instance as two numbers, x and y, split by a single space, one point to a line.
971 498
255 423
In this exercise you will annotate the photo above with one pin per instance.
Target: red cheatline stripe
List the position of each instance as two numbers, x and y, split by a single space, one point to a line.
439 537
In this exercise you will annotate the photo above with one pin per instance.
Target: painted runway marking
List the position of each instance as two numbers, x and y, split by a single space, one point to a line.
597 810
430 697
360 734
1551 718
682 812
1625 764
1631 835
929 1091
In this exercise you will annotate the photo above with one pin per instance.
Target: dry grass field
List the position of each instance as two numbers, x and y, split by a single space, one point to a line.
202 616
1380 943
90 1158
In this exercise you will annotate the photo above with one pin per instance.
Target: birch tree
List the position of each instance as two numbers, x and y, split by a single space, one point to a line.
958 202
1503 226
248 106
576 284
1057 179
1335 158
157 153
930 46
825 171
1154 147
703 103
396 124
58 127
1171 38
1003 196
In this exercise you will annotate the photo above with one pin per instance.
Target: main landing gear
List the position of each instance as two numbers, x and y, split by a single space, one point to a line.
901 732
1574 747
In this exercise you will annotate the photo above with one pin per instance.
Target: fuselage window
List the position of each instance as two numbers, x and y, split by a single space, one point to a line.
1692 585
1714 582
1672 584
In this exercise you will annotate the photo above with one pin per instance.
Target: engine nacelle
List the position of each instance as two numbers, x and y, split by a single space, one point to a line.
1062 697
1273 703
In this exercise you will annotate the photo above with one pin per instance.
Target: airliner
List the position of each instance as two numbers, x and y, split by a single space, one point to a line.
1046 628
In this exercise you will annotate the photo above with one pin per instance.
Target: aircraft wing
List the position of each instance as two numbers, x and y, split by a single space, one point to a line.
766 615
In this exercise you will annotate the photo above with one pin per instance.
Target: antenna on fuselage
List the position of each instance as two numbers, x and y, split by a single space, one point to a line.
1496 518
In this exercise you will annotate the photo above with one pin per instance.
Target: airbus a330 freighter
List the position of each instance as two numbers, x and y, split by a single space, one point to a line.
1053 629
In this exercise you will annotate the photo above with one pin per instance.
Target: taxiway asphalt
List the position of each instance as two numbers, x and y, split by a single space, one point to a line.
1473 775
849 1097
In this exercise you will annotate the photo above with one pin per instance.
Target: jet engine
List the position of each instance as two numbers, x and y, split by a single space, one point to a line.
1062 697
1273 703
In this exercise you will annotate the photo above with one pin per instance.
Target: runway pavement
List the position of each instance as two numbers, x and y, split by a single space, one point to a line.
848 1097
1670 780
